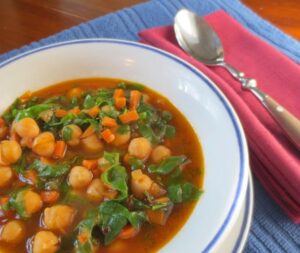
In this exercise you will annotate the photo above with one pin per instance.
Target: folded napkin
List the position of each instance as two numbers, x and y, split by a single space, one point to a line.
274 160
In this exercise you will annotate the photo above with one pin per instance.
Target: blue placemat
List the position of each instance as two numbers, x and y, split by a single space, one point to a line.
271 230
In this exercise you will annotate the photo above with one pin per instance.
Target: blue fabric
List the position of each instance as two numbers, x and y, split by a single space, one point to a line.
271 230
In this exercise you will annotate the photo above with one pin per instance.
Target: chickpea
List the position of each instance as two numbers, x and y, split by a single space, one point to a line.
44 144
75 92
80 177
139 147
32 202
6 176
59 217
140 183
13 232
160 153
45 242
10 152
104 164
92 144
75 136
95 190
27 128
121 139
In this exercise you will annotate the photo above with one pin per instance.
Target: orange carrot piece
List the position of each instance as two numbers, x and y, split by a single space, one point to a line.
119 93
83 236
90 164
59 150
108 136
88 132
94 111
26 96
129 117
46 160
157 217
120 103
109 122
59 113
128 232
75 110
49 197
135 97
31 175
2 122
4 200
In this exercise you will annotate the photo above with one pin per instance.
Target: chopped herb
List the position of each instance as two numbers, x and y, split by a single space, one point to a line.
67 133
170 131
183 192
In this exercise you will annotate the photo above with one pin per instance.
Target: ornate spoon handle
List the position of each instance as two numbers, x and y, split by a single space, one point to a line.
286 120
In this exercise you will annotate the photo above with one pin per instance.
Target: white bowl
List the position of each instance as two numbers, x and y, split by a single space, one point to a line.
209 112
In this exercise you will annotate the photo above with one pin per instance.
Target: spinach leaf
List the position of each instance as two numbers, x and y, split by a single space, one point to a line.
135 163
89 101
123 129
112 157
85 232
16 202
137 204
166 115
170 131
67 133
115 216
147 132
184 192
167 165
117 177
136 86
20 165
50 170
34 111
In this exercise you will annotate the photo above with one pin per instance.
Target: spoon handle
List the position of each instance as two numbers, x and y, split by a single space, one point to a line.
286 120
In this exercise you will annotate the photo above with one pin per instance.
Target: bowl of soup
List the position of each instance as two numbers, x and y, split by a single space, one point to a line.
114 146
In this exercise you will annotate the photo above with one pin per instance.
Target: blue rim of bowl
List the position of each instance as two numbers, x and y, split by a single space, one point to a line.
235 121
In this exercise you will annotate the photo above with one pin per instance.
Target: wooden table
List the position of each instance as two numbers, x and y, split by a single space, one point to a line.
24 21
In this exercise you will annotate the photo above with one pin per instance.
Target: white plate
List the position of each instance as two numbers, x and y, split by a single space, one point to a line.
209 112
236 240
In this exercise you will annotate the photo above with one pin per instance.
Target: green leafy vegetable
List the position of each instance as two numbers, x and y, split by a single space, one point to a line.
85 229
112 157
16 202
115 216
117 177
183 192
89 101
135 163
170 131
20 165
34 111
50 171
167 116
123 129
67 133
167 165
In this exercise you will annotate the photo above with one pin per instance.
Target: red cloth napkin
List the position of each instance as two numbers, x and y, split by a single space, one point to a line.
274 160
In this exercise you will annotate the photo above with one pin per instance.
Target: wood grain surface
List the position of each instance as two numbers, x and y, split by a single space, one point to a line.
25 21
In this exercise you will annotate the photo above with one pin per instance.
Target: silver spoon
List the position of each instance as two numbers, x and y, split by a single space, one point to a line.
199 40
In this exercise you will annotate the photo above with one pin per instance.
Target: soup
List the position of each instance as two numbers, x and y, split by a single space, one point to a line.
95 165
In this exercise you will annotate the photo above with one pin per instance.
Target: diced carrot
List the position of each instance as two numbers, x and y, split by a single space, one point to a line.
157 217
126 158
135 97
31 175
83 236
75 110
108 136
119 93
59 150
26 96
109 122
120 102
2 122
128 232
59 113
46 160
157 191
94 111
4 200
88 132
129 117
50 197
90 164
